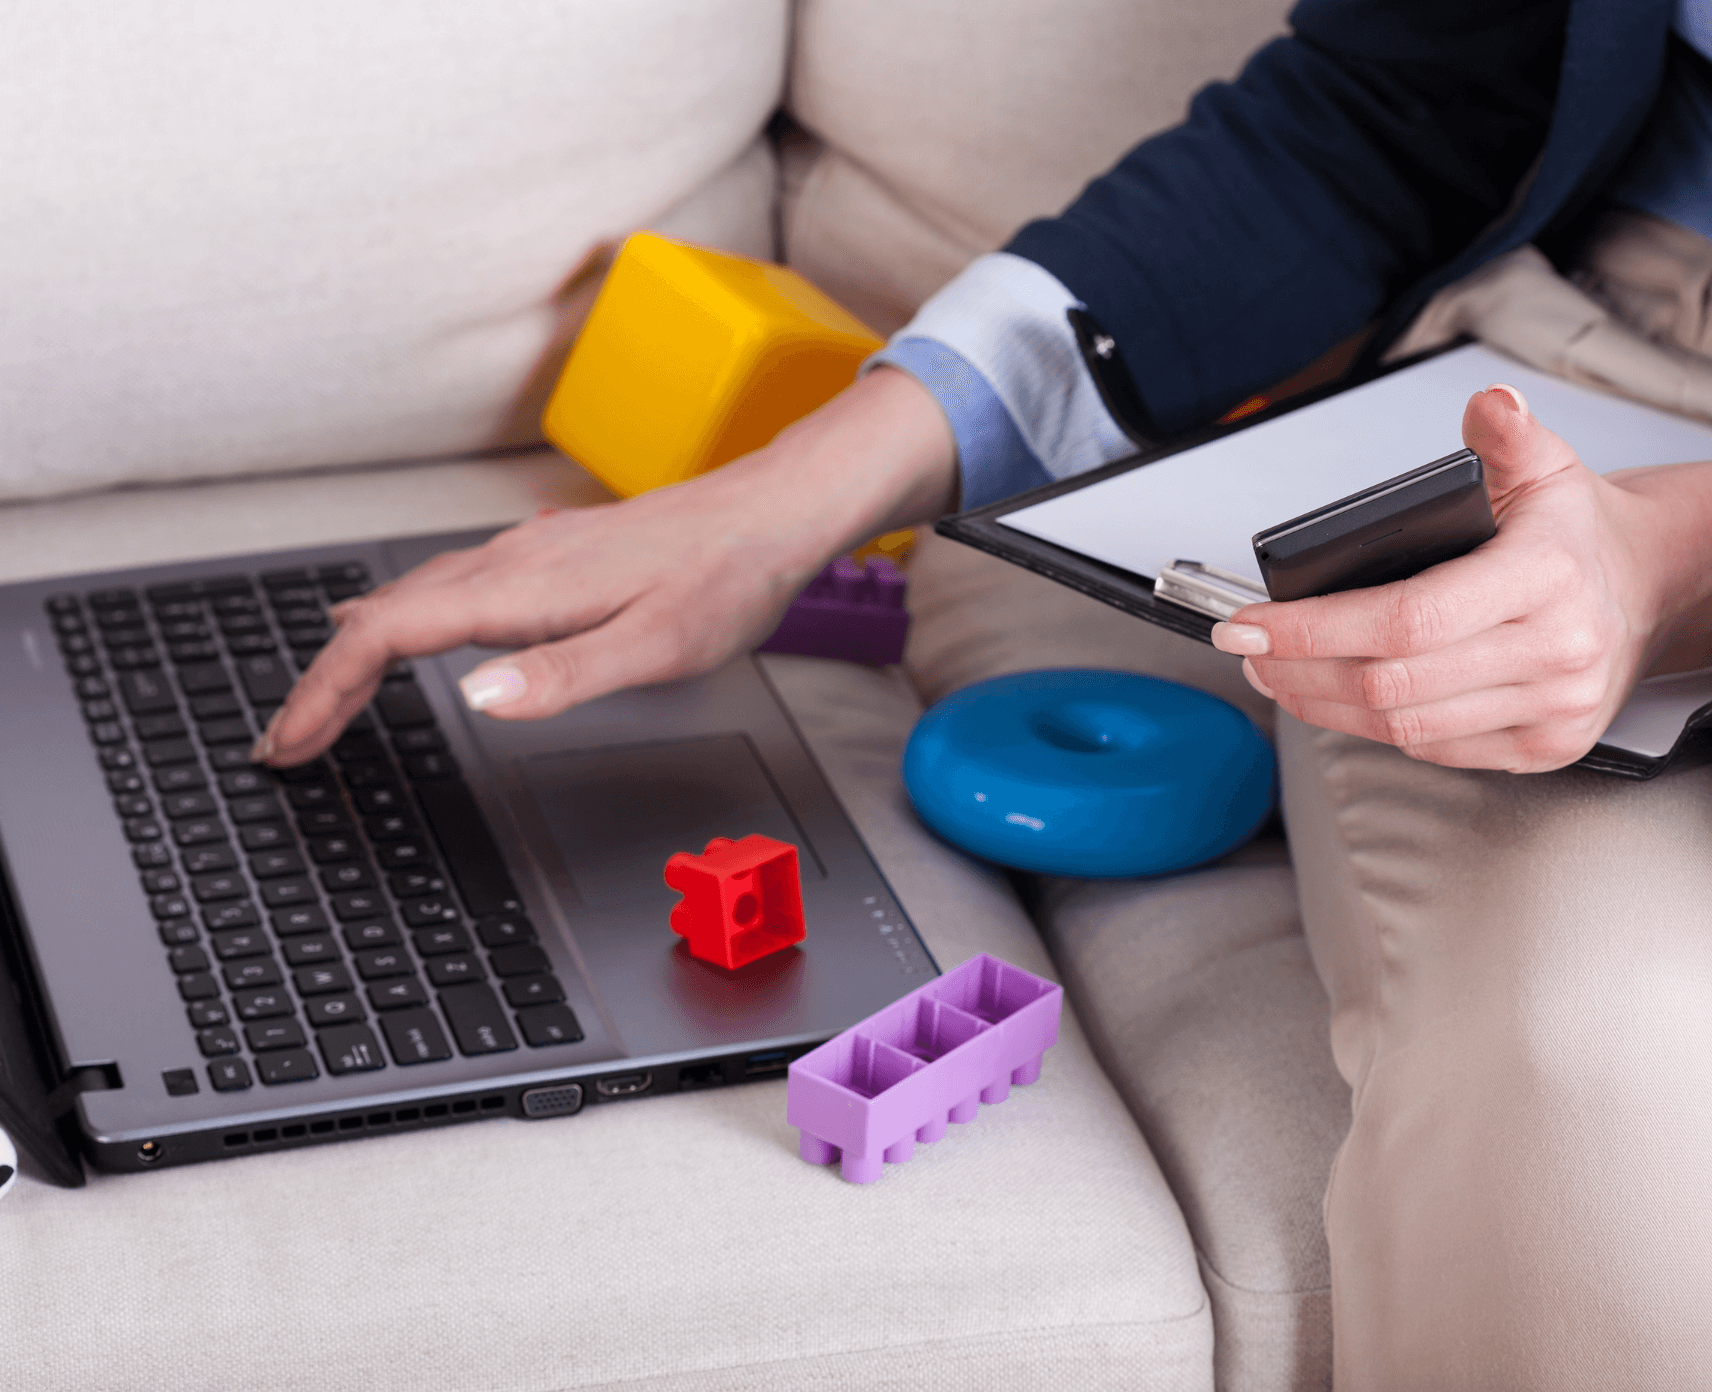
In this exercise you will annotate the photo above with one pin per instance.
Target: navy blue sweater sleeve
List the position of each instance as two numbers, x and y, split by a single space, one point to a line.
1345 162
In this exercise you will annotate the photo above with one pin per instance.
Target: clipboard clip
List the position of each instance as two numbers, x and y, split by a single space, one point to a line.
1207 589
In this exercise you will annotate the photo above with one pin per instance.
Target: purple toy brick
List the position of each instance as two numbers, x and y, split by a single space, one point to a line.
848 612
932 1057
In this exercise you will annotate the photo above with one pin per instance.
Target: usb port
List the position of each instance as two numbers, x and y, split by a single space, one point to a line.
772 1064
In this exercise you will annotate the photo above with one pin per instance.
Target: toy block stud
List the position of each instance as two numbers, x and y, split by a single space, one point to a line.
849 611
871 1095
692 357
742 899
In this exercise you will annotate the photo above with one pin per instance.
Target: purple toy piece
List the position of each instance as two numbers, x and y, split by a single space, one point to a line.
848 612
932 1057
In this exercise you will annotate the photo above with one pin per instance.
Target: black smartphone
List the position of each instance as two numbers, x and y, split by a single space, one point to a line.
1387 532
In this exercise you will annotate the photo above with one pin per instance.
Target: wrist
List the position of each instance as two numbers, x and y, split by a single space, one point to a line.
1669 537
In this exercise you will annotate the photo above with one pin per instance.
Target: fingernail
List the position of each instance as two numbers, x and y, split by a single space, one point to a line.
262 750
1520 401
1250 639
487 687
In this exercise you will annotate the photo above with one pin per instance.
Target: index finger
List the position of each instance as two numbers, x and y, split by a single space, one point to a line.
1444 605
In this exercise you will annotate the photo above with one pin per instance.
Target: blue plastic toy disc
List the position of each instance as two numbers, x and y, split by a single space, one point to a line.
1091 773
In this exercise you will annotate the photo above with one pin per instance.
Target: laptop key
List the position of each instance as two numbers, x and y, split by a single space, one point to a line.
245 782
238 914
235 730
241 976
150 854
198 986
216 705
271 865
210 889
206 1013
322 980
164 906
142 829
267 679
279 894
262 1004
275 1034
415 1036
202 678
206 859
228 757
187 959
350 1049
453 971
240 942
229 1075
304 952
261 836
383 962
178 931
501 930
146 692
169 751
376 932
215 1043
422 913
478 1020
519 961
333 1010
346 877
358 904
403 855
325 850
133 805
437 942
402 704
409 884
549 1024
534 990
125 783
472 855
397 995
164 726
305 919
179 778
254 809
287 1066
198 830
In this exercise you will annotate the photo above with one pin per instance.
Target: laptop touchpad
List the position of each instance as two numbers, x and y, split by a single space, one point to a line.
616 814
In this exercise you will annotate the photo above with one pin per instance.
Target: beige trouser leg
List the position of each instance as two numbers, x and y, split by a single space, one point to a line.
1520 971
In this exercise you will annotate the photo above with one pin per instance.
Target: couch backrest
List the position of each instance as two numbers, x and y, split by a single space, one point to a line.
943 125
281 234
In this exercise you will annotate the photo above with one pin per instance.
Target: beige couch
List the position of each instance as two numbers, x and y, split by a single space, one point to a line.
277 274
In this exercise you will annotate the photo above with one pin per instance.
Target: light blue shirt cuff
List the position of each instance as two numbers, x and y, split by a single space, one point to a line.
992 458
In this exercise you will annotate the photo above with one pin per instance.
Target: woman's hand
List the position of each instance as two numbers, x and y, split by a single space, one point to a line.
665 585
1517 655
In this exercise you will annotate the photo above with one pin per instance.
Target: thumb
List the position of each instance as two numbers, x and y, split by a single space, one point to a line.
1516 449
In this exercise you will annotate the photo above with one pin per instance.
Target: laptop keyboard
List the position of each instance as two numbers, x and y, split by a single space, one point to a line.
309 914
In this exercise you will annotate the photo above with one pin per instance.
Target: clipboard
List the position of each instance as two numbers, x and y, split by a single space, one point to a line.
1108 533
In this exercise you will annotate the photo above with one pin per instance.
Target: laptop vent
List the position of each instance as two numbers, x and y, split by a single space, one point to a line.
347 1123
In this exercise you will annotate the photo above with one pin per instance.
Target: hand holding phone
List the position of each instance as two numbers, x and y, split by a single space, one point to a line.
1387 532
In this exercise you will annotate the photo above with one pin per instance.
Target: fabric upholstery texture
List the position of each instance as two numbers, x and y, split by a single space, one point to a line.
1197 990
274 236
941 126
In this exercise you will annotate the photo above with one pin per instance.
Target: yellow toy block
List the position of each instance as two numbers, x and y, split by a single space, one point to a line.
692 357
894 546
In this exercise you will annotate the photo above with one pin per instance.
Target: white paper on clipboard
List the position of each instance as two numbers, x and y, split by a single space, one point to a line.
1206 502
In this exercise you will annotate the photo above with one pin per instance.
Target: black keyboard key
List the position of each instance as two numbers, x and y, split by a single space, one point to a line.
165 906
305 952
350 1049
182 629
83 665
425 913
280 894
502 930
437 942
254 809
392 826
262 836
424 767
351 749
210 889
124 636
180 778
327 849
146 693
549 1024
377 932
402 704
519 961
124 782
267 1003
247 645
275 1034
270 865
212 707
160 882
206 1013
397 995
342 573
534 990
422 740
142 829
176 932
203 678
95 689
382 962
306 796
208 857
284 579
454 971
247 976
240 942
411 884
478 1020
198 651
358 904
287 1066
229 756
154 727
216 1043
415 1036
347 877
149 855
344 591
266 678
332 1010
229 1075
239 913
189 959
245 782
198 830
324 821
471 853
180 1082
169 751
199 986
100 710
115 759
107 732
235 730
403 855
132 659
368 775
133 805
322 980
306 919
189 804
61 604
387 797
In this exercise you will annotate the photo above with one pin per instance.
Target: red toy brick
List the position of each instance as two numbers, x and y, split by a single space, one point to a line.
742 899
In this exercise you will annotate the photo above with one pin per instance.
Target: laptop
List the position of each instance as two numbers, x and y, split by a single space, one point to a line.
447 918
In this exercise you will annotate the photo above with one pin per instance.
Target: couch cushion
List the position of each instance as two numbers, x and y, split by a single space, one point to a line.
672 1243
279 236
944 125
1196 989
